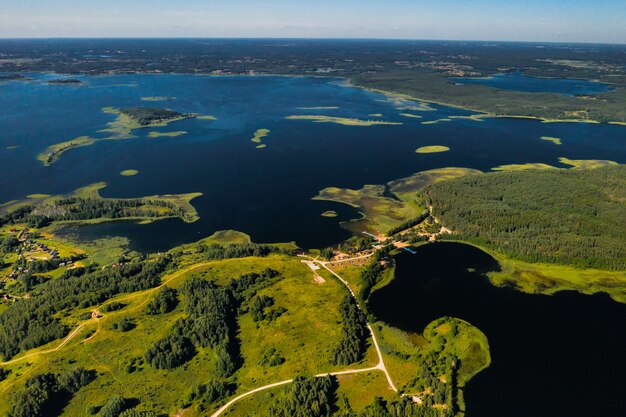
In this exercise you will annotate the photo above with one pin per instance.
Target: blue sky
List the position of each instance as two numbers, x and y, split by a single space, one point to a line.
525 20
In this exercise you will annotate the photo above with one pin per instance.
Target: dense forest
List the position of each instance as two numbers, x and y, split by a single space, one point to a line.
401 408
306 397
372 274
571 217
164 302
31 322
239 250
75 208
47 394
148 116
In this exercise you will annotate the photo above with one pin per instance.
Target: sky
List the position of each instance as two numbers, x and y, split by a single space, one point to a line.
515 20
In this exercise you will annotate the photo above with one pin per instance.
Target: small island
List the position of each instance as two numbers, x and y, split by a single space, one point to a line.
65 81
556 141
157 98
432 149
129 173
413 116
11 77
258 137
341 120
166 134
146 116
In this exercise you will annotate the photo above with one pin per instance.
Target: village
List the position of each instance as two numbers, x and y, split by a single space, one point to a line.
25 253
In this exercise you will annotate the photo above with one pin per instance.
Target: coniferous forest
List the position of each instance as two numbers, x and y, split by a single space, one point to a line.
572 217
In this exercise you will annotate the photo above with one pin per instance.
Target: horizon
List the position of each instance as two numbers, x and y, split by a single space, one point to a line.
268 38
554 21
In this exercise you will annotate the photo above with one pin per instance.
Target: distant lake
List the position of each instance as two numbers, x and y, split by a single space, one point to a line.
519 82
560 355
263 192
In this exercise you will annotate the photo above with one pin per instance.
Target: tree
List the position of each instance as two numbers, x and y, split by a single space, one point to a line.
164 302
170 352
114 407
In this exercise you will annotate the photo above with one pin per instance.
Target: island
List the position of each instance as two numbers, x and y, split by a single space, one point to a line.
127 120
340 120
432 149
12 77
85 205
65 81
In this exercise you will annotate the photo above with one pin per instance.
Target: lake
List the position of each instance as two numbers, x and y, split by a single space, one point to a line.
519 82
560 355
265 193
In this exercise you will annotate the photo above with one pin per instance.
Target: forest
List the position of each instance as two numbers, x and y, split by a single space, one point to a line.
306 397
31 322
75 208
149 116
46 394
211 321
354 333
571 217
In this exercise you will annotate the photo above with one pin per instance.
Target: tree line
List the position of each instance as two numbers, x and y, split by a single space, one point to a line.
239 250
354 333
306 397
78 208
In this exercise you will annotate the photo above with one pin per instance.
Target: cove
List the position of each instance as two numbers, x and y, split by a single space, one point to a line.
560 355
519 82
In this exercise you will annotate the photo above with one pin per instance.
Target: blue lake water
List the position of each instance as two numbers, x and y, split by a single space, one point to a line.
520 82
263 192
551 355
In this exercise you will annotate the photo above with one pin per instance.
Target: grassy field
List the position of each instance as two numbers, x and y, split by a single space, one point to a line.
522 167
381 211
574 163
586 163
304 335
547 279
358 390
156 134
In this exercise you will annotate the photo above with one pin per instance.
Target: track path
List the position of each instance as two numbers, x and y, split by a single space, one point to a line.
379 367
75 332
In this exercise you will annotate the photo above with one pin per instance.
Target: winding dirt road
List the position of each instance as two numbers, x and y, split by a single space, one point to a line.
75 332
379 367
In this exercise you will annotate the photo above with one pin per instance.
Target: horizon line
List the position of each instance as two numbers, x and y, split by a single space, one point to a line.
303 39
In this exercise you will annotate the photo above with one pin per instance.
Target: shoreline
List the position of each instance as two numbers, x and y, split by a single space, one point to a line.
347 82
